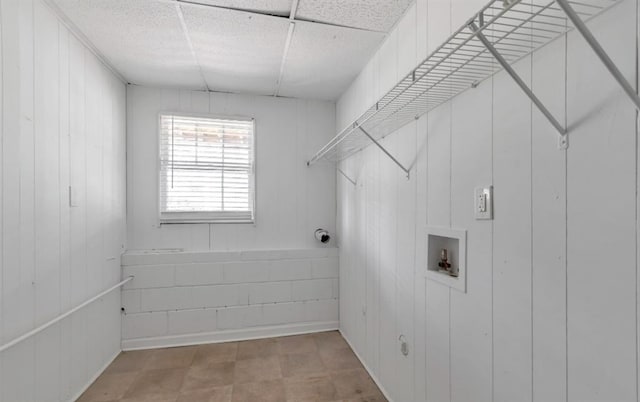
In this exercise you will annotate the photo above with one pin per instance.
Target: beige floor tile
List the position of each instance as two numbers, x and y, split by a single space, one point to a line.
353 383
296 344
310 389
339 359
165 397
213 375
301 365
330 341
128 362
153 382
260 369
316 367
257 348
218 394
376 397
264 391
171 358
108 387
215 353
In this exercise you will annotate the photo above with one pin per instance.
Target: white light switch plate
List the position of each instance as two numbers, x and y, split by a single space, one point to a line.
483 203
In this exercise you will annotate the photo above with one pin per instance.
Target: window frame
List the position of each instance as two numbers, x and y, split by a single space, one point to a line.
170 218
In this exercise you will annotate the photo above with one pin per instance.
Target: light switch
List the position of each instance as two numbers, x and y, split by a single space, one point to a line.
483 203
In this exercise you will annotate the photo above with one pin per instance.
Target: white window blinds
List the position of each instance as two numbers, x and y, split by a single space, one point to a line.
207 171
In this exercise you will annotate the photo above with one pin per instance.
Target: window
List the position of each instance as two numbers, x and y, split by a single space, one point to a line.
207 169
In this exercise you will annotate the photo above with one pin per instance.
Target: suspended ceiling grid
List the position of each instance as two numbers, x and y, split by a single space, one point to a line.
296 48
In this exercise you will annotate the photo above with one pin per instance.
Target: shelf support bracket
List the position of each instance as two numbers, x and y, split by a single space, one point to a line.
599 50
507 67
349 179
385 151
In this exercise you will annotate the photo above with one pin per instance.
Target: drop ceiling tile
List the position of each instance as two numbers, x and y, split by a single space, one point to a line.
237 51
323 60
375 15
142 39
275 7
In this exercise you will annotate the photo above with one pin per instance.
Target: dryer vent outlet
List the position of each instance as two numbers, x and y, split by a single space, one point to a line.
322 236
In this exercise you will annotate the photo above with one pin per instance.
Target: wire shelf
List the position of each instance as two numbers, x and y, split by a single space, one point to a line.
515 29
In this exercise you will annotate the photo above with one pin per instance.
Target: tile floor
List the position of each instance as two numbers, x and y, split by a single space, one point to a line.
314 367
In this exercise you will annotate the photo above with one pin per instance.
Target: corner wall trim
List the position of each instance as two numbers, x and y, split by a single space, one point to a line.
94 377
75 31
366 367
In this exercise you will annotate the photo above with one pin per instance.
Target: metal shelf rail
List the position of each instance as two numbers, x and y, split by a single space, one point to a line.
62 316
500 34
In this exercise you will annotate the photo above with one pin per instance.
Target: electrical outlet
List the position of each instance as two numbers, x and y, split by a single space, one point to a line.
483 203
404 346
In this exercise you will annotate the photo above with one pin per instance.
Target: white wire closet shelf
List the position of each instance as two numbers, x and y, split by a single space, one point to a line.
501 33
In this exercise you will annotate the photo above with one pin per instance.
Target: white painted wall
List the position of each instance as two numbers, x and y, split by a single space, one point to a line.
63 124
264 267
192 298
292 201
551 308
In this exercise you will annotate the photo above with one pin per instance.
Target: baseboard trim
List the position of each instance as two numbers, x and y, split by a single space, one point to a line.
366 367
228 335
94 377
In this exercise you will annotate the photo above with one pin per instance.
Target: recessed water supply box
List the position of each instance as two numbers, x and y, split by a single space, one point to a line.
447 257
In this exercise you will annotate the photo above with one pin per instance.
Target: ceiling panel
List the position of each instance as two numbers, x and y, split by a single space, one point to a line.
375 15
142 39
275 7
323 60
237 51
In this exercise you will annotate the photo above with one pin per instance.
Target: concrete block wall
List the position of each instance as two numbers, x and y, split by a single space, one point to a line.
188 298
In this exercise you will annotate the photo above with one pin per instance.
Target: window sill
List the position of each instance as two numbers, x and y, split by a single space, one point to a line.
205 221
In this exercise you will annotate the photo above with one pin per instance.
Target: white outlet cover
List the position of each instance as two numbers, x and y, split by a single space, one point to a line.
483 203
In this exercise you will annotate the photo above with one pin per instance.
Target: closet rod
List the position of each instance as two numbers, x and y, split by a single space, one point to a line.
62 316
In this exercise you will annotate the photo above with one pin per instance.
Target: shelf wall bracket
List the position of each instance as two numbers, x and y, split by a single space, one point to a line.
599 50
507 67
385 151
349 179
